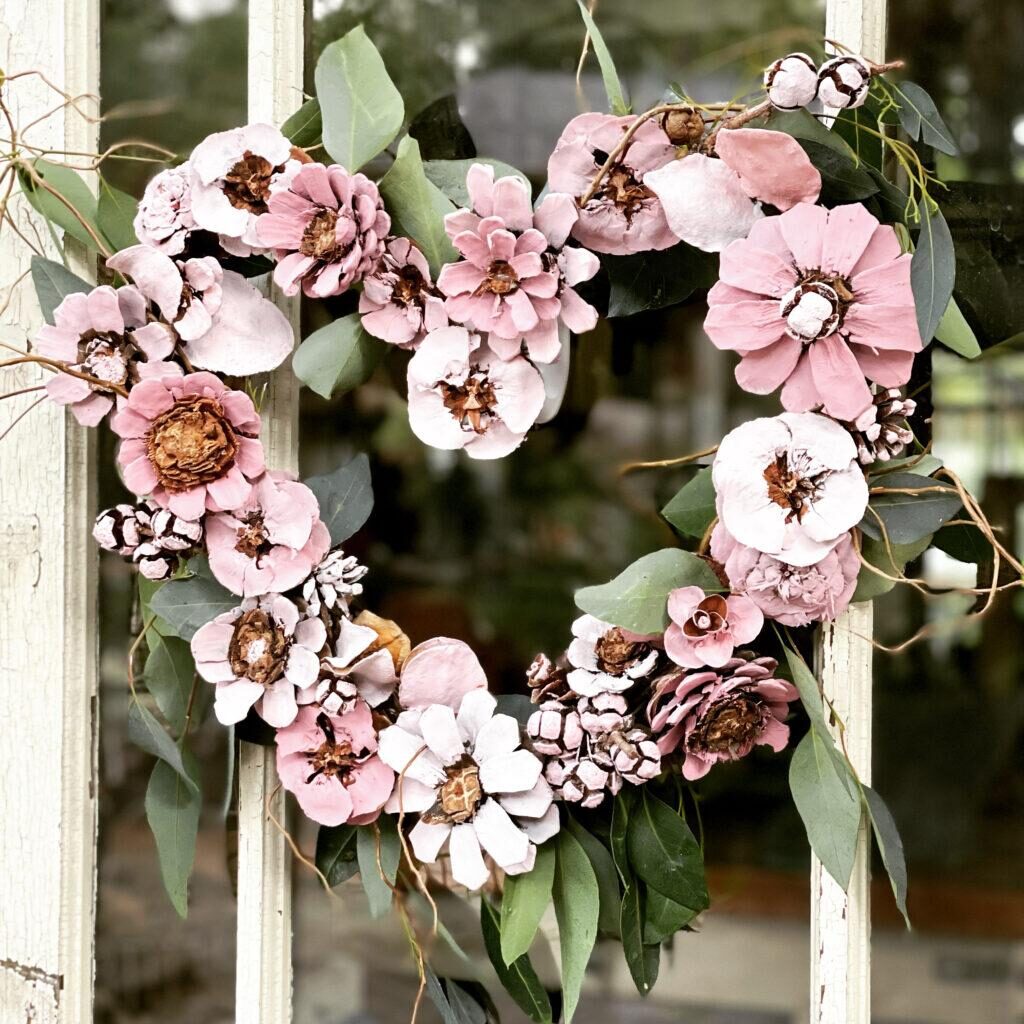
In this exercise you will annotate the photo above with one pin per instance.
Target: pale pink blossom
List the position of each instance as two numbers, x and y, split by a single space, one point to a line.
103 333
164 218
258 655
330 763
327 230
463 396
270 542
789 485
439 671
815 301
706 628
191 442
608 659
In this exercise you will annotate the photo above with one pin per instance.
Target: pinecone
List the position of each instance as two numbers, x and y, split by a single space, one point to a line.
153 562
336 693
172 533
603 713
333 582
581 780
554 729
634 755
881 432
123 528
547 680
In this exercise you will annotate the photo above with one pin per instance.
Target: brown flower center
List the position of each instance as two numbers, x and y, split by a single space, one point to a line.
191 443
319 240
708 617
333 758
258 648
616 652
625 191
729 726
247 184
409 286
105 356
252 536
471 403
500 280
788 489
459 796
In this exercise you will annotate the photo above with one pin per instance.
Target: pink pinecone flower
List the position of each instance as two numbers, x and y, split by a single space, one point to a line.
815 301
259 654
720 714
327 230
270 542
399 303
624 216
191 442
103 333
330 763
164 219
706 628
462 396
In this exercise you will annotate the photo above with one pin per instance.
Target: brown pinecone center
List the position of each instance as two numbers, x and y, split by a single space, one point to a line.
471 403
247 184
501 279
191 443
258 648
251 536
409 286
729 726
460 795
319 240
616 652
622 188
788 489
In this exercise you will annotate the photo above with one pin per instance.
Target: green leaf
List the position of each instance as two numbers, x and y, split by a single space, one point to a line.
921 119
523 903
441 132
891 559
345 497
909 516
115 214
53 282
692 510
169 673
617 102
956 333
805 681
842 179
964 542
172 810
622 808
663 917
417 206
336 852
665 853
636 599
577 907
890 846
338 357
607 877
519 980
827 797
361 108
450 175
653 280
185 605
453 1002
805 127
149 735
305 127
70 185
378 892
642 958
932 271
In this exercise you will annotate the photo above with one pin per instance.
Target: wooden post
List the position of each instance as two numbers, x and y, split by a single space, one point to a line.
263 973
48 634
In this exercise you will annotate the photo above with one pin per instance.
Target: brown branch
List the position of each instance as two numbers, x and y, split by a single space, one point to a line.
58 367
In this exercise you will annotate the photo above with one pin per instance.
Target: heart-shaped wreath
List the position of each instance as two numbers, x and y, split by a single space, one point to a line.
415 772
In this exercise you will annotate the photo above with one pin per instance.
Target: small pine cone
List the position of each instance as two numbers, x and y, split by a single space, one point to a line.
333 583
684 126
635 756
554 729
172 533
547 680
336 693
603 713
581 780
881 432
123 528
791 82
154 562
843 82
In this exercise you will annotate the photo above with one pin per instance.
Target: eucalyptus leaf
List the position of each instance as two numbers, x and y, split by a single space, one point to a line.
964 542
607 877
617 102
692 510
919 511
375 874
932 271
642 958
72 205
345 498
362 111
807 685
185 605
842 179
53 283
523 903
956 333
115 215
663 917
803 126
169 674
450 175
622 808
637 598
519 979
921 119
577 908
149 735
336 853
338 357
172 810
890 846
441 132
306 126
653 280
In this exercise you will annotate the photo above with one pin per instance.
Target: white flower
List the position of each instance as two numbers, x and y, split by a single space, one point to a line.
789 485
474 787
606 658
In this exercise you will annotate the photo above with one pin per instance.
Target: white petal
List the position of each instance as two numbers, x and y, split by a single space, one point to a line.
534 803
407 754
410 795
352 641
556 378
498 735
499 835
437 723
302 666
477 708
510 773
468 867
375 677
427 840
540 830
524 866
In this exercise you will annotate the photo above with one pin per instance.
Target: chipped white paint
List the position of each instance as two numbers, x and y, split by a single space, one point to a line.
48 655
263 973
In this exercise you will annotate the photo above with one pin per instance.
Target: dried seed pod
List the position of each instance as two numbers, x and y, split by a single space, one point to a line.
124 527
843 82
172 533
684 126
791 82
154 562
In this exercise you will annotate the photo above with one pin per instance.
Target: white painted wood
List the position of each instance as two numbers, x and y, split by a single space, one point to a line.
48 652
263 973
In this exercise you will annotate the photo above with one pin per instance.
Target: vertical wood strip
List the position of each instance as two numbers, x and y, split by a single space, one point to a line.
263 973
48 577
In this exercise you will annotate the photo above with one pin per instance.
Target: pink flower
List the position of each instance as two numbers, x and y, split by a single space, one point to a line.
330 763
259 654
234 174
712 202
439 671
103 333
790 594
225 324
720 714
706 628
270 542
462 396
625 215
164 219
399 303
817 300
327 230
191 442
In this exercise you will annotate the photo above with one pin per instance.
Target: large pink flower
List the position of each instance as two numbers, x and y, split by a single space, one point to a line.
439 671
259 654
191 442
399 303
793 595
624 216
103 333
330 763
270 542
706 628
462 396
817 300
327 230
164 219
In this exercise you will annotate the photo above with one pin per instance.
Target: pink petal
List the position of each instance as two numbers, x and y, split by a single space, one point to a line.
850 229
760 271
744 326
766 369
440 671
803 228
838 378
772 166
